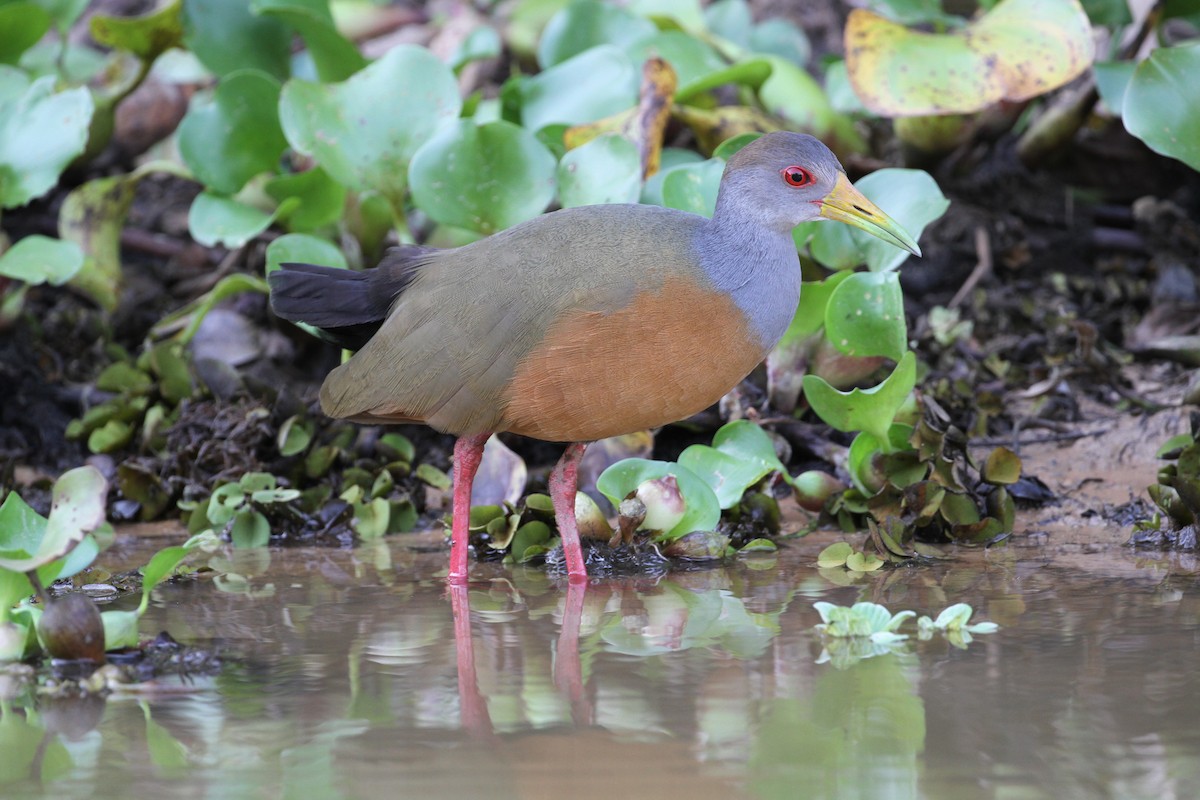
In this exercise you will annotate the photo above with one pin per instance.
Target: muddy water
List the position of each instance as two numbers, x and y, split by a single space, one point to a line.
357 674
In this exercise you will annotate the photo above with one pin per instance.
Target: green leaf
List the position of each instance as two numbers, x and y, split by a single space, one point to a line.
781 38
23 25
481 43
235 136
147 36
727 475
321 199
336 58
120 629
161 565
226 36
529 541
93 216
693 187
909 196
702 512
41 132
359 140
1003 466
432 476
692 59
304 249
791 93
214 220
1160 103
482 177
865 316
863 562
38 259
592 85
608 169
250 529
870 410
77 508
586 24
834 555
1112 79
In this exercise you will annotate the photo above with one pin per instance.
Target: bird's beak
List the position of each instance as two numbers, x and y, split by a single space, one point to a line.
847 204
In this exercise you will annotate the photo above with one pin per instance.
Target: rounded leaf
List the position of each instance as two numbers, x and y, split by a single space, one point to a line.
1161 106
608 169
365 130
482 177
865 316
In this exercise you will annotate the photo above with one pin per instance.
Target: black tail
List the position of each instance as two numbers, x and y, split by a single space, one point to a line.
346 306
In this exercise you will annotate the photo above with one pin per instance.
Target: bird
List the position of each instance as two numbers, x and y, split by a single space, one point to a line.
580 324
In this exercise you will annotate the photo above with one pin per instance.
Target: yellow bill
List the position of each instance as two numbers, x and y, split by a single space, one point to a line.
847 204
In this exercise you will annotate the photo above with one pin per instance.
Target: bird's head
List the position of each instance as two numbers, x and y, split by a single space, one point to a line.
783 179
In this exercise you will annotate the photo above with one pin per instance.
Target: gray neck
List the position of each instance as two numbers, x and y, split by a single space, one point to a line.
757 266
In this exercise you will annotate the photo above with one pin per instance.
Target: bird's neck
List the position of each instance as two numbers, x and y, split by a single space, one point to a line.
758 267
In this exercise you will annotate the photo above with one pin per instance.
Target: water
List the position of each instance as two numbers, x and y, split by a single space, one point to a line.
357 674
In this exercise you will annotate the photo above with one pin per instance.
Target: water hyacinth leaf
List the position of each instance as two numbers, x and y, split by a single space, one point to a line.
685 14
321 199
834 555
364 143
482 177
227 36
236 135
671 159
727 475
77 508
214 220
147 36
911 196
21 528
120 629
1018 50
432 476
865 316
863 562
702 513
1160 103
584 25
731 20
41 132
38 259
691 59
758 546
747 441
1112 79
160 566
295 434
23 25
870 410
693 187
698 546
530 540
481 43
1003 466
250 529
303 248
608 169
372 519
792 94
752 72
335 57
592 85
779 37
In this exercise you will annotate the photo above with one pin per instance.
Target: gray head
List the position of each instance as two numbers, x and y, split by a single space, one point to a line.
783 179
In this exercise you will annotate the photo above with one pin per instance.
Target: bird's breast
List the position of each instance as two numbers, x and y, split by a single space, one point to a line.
664 356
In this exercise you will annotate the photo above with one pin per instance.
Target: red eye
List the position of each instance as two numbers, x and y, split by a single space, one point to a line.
796 176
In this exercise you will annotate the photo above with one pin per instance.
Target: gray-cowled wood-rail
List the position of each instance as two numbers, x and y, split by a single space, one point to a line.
580 324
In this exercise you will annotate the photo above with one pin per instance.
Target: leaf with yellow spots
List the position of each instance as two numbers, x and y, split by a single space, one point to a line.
1018 50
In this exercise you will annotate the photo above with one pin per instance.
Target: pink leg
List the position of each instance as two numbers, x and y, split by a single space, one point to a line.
563 484
468 451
